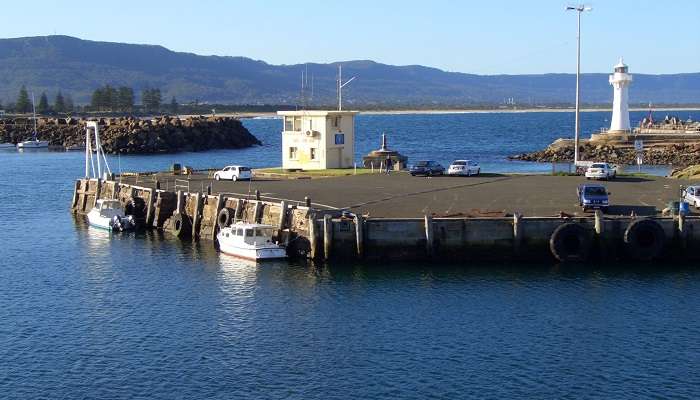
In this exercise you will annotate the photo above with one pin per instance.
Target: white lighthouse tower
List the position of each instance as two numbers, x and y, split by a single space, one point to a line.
620 81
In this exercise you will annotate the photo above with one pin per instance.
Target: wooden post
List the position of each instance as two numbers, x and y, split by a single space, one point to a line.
149 208
429 235
257 195
180 202
283 215
196 217
598 222
257 214
76 187
313 242
239 210
219 206
98 191
681 229
327 236
157 184
359 234
307 201
517 232
156 215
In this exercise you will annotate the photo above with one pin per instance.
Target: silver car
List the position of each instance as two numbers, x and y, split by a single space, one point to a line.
464 168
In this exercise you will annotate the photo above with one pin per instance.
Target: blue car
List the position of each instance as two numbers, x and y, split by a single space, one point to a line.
427 168
593 196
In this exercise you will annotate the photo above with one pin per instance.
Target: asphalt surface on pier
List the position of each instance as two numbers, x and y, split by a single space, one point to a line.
401 195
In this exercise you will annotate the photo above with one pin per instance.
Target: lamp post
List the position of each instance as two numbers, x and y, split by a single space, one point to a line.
579 9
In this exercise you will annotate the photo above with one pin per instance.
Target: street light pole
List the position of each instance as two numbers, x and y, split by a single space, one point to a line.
579 10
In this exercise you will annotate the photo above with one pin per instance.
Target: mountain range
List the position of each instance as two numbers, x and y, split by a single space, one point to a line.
77 67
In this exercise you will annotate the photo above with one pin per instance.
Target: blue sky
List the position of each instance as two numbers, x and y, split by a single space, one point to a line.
484 37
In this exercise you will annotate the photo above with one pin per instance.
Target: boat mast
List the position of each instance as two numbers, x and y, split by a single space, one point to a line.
34 115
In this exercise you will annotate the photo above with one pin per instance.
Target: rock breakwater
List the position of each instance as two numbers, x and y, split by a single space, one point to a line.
129 135
677 155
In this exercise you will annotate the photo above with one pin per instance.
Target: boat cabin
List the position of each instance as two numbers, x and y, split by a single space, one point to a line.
109 208
253 234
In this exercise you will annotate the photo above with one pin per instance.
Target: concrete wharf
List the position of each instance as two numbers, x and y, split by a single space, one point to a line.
381 217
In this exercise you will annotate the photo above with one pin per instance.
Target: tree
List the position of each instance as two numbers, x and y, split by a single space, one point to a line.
173 106
43 107
59 105
23 105
125 98
69 104
97 99
151 99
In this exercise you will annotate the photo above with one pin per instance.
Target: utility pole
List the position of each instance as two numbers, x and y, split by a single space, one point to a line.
579 9
341 85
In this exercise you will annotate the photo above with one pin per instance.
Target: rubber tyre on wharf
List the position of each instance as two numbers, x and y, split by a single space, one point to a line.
644 239
570 242
182 227
224 218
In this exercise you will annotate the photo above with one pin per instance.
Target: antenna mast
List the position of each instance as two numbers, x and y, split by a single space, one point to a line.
341 85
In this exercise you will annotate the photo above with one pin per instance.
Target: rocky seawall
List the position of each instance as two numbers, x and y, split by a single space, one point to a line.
136 136
677 155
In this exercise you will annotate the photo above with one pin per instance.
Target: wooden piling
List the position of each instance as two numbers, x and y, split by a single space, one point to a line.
283 216
149 208
429 245
359 234
196 218
517 232
257 213
98 191
76 188
307 201
180 202
327 236
257 194
219 206
313 241
239 210
598 222
681 230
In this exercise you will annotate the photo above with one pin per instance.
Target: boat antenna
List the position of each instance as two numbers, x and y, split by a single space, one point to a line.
341 85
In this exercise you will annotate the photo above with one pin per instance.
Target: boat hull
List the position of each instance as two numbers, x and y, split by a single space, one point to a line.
33 144
98 221
266 253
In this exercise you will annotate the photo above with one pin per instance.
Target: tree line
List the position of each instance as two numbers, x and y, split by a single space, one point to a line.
103 99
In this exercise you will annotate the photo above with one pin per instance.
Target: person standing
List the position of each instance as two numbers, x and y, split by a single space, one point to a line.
389 164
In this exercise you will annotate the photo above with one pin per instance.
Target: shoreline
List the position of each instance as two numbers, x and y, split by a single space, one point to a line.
467 111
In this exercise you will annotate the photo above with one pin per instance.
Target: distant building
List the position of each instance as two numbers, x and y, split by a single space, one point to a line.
318 139
620 81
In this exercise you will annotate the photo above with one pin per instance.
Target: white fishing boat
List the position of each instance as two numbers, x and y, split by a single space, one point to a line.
33 143
109 214
250 241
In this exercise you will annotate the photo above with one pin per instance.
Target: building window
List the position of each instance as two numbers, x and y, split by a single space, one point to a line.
297 124
292 153
288 123
339 138
312 153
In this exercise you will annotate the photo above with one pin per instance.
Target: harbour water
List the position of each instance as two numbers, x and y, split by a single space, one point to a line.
87 314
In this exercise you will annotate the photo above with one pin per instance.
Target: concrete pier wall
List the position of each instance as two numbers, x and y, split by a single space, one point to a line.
324 234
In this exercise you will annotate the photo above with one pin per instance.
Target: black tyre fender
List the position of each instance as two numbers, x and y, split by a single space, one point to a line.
224 218
136 206
571 242
182 227
644 239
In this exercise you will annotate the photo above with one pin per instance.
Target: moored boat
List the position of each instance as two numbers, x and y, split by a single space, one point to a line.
250 241
33 144
7 146
109 214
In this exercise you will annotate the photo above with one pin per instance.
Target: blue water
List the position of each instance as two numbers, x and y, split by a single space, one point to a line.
87 314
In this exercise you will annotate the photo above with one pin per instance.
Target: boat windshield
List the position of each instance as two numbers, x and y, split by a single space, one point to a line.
264 232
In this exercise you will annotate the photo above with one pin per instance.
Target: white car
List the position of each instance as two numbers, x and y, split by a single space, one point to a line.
234 173
691 195
601 171
464 167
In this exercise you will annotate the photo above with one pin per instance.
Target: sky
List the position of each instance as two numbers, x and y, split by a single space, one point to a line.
481 37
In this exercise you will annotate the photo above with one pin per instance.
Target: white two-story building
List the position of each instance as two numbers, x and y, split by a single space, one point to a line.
318 139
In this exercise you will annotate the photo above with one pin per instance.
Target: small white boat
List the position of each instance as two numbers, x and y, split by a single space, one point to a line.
109 214
33 144
7 146
250 241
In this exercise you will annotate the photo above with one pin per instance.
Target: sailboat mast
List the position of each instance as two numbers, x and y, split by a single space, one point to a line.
34 115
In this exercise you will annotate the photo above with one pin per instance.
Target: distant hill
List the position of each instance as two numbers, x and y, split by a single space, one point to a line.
77 67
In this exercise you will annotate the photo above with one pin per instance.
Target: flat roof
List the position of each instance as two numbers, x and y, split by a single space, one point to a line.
316 113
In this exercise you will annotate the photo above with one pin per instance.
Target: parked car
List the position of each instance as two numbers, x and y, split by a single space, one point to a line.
691 195
464 168
427 168
601 171
592 196
234 173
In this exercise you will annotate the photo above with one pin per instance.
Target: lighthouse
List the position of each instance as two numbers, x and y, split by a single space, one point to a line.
620 81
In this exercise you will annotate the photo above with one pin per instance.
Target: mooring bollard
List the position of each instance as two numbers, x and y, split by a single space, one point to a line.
196 217
257 213
307 201
359 234
428 221
157 184
283 215
327 236
257 195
